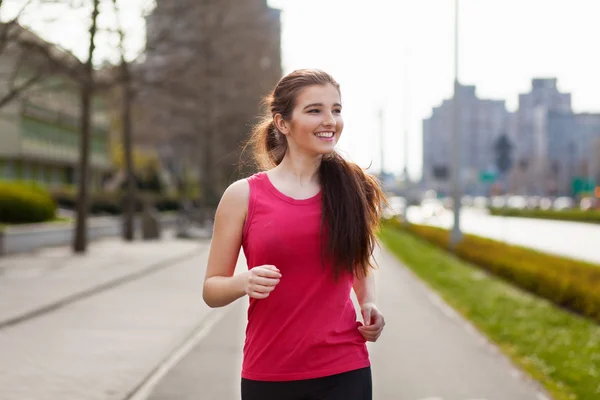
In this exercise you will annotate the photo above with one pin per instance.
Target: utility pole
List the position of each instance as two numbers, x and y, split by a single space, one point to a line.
406 178
456 234
381 141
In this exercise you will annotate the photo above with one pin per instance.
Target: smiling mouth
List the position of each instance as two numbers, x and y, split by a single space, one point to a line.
324 135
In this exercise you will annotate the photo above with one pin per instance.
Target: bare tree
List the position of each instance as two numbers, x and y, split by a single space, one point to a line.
87 93
217 83
126 127
28 60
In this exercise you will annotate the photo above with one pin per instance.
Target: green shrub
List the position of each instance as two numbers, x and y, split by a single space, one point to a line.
589 216
571 284
113 203
22 202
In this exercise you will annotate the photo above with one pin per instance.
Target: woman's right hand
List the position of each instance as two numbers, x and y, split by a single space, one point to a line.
261 281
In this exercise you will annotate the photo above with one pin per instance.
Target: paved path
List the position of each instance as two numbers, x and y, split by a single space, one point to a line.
102 345
33 282
427 352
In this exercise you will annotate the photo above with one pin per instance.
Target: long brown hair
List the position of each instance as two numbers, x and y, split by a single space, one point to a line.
351 199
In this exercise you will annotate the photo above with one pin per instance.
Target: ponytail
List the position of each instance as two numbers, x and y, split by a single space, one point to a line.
351 204
268 146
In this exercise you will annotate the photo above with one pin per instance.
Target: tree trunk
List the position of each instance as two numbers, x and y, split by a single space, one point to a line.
87 92
129 214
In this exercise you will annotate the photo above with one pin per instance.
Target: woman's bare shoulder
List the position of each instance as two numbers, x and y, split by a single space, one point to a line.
236 195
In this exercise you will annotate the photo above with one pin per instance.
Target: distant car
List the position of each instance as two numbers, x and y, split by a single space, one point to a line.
498 201
448 203
533 202
467 201
518 202
563 203
588 203
545 203
431 208
397 204
481 202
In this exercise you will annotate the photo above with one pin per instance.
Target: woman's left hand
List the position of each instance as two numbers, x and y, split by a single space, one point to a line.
373 322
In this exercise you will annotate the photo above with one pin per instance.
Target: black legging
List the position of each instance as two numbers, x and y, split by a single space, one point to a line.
352 385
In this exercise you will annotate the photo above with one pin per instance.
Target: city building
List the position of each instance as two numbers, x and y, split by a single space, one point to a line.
39 129
482 122
596 166
536 148
552 147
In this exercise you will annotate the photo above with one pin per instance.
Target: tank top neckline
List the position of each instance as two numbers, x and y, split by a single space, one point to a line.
283 196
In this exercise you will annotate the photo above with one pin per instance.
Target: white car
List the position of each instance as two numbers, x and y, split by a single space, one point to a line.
431 208
563 203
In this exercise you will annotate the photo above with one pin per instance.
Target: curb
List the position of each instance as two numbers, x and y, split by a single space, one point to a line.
94 290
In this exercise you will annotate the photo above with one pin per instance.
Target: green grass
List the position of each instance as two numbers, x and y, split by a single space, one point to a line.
559 349
589 216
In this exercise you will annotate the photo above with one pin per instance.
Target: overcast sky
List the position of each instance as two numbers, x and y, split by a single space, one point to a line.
373 48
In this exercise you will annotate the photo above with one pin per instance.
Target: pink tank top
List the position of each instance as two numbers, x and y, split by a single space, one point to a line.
307 327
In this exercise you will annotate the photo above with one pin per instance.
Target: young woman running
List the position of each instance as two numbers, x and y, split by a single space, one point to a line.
307 225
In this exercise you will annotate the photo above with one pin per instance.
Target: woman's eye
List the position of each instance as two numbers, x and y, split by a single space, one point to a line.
337 111
313 111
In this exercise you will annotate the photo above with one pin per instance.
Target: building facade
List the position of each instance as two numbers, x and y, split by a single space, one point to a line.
552 146
39 130
542 116
482 122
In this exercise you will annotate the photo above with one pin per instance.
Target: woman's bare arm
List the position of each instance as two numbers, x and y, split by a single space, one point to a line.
221 286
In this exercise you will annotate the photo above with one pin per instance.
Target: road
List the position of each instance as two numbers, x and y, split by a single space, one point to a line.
427 352
571 239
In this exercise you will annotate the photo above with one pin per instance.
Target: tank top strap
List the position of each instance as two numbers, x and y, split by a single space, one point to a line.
258 187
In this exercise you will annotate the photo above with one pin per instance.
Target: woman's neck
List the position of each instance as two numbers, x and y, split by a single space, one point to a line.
299 168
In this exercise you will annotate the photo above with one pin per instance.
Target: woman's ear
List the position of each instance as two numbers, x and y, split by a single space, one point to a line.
281 124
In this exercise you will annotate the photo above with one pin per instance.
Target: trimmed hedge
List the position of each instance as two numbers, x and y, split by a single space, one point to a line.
22 202
589 216
113 203
572 284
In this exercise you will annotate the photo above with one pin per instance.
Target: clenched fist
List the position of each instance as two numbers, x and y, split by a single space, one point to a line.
261 281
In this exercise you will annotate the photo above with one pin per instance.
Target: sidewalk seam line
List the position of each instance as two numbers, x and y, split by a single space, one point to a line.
144 388
95 290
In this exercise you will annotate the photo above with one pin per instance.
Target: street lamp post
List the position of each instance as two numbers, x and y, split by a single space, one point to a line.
406 182
381 143
456 235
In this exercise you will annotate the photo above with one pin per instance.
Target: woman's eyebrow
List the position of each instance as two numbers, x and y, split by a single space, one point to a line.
320 105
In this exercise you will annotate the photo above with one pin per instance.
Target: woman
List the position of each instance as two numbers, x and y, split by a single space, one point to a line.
307 227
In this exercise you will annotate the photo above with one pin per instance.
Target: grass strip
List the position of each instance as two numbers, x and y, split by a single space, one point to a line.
568 283
559 349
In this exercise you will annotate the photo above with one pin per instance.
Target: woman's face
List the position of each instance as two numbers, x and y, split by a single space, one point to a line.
316 122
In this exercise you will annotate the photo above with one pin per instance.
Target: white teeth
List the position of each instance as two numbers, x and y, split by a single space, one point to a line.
324 134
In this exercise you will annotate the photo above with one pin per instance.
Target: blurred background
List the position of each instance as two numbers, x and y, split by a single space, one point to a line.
126 119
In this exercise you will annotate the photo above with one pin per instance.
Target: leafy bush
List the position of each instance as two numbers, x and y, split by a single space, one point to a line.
590 216
22 202
113 203
568 283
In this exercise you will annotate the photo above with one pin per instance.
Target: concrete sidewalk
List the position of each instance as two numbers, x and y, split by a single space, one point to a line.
38 281
427 352
103 344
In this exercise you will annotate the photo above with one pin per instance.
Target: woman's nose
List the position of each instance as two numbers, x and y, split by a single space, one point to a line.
329 120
